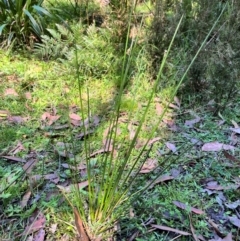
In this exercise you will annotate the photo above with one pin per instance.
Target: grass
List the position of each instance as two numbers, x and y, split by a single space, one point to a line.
54 89
156 203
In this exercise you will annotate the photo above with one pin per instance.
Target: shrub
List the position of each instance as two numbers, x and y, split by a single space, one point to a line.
214 75
21 21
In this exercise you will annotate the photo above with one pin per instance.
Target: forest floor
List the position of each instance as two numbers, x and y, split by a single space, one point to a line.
197 195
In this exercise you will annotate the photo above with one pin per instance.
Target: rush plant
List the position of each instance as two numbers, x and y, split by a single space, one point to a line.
109 193
21 21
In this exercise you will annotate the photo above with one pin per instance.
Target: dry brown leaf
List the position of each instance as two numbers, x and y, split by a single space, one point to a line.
220 188
162 178
16 119
72 186
231 157
215 227
152 141
28 96
10 91
165 228
75 117
28 166
80 166
39 236
235 124
53 228
159 109
174 106
228 237
185 207
149 165
236 130
49 119
191 123
171 147
216 146
25 199
233 205
36 225
53 177
177 101
235 221
79 225
13 158
17 149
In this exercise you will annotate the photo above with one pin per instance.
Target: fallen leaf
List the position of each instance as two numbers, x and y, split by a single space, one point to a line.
75 117
49 119
165 228
36 225
25 199
72 186
53 228
230 157
171 147
235 221
191 123
80 166
233 139
220 188
173 106
216 146
233 205
228 237
149 165
17 149
10 91
162 178
159 109
185 207
16 119
13 158
177 101
215 227
79 225
236 130
28 95
39 236
53 177
28 166
152 141
235 124
175 172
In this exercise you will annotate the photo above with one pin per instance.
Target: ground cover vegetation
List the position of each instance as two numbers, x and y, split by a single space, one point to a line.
119 120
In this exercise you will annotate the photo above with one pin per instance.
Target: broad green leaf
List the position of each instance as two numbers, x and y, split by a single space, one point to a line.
2 27
36 27
42 10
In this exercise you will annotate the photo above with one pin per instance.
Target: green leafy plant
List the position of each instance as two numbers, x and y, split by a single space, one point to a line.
109 192
21 21
56 46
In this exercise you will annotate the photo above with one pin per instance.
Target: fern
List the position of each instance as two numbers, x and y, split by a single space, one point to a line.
55 46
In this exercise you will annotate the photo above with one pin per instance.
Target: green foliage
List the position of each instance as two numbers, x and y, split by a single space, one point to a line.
109 192
214 75
55 46
21 21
